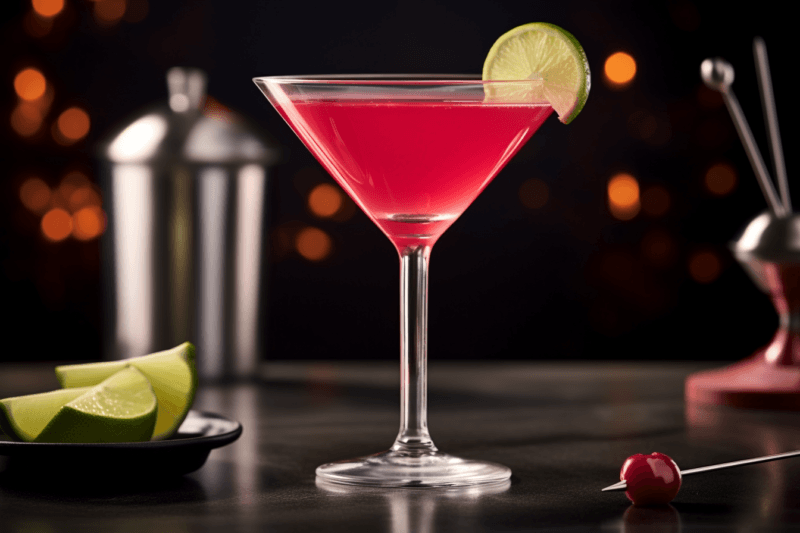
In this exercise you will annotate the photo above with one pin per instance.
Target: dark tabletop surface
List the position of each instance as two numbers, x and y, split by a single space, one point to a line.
564 429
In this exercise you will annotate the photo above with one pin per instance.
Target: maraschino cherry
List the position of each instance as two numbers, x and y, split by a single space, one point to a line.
651 479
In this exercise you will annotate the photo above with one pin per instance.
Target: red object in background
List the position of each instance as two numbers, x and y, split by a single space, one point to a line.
651 479
769 379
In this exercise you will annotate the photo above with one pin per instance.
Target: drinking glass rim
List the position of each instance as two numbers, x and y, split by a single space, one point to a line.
387 79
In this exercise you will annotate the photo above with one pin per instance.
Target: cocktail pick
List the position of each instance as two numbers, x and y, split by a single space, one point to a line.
623 486
771 117
718 74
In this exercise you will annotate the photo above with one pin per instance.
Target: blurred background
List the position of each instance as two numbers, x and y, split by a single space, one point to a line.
604 239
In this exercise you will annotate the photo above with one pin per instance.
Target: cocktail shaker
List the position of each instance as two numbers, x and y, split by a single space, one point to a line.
183 255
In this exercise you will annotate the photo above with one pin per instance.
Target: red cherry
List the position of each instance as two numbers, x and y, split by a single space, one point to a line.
652 479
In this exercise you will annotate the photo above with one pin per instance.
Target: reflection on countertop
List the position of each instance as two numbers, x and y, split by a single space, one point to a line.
563 429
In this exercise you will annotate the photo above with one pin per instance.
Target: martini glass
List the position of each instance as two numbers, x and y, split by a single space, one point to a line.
413 152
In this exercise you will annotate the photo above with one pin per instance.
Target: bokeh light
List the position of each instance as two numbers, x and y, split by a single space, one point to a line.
282 240
72 125
656 201
26 119
313 244
78 192
71 182
89 222
30 84
620 68
107 12
36 25
659 248
704 266
56 225
642 124
618 267
46 100
84 197
623 196
48 8
720 179
35 195
57 199
534 193
325 200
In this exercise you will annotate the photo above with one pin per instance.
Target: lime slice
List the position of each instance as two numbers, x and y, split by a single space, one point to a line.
543 51
120 409
172 374
22 418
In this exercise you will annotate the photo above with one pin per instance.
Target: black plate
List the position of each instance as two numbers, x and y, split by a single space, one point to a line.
185 452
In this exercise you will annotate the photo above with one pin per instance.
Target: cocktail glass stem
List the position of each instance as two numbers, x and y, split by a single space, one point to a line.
413 460
413 438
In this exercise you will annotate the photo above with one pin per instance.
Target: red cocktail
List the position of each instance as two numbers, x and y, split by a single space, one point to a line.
413 153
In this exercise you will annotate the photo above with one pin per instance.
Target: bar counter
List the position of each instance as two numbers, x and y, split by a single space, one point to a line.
564 429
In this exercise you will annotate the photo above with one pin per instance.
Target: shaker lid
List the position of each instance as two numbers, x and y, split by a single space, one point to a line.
187 130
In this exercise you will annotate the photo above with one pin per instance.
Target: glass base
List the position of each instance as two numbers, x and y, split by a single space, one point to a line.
400 469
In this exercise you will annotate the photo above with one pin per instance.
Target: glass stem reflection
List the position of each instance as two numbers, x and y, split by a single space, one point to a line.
413 437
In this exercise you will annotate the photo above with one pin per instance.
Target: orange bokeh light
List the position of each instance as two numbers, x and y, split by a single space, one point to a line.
35 195
71 182
534 193
73 124
56 225
26 119
48 8
109 11
659 248
30 84
325 200
720 179
89 222
620 68
84 197
313 244
623 196
656 201
704 267
36 25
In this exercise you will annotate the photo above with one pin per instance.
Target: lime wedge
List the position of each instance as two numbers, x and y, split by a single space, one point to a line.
120 409
22 418
172 374
542 51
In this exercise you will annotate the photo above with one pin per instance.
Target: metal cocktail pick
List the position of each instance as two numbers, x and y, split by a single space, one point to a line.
771 117
718 74
623 486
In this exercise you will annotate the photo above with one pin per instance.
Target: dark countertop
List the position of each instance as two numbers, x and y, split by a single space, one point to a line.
564 429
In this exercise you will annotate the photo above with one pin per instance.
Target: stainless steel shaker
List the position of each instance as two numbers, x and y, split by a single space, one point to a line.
183 252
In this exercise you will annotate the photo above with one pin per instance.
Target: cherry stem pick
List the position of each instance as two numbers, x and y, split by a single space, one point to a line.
623 486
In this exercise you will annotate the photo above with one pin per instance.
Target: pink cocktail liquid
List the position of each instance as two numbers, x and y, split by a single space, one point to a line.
413 166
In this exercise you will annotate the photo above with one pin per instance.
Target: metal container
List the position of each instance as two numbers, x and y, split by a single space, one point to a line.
183 252
769 251
768 240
